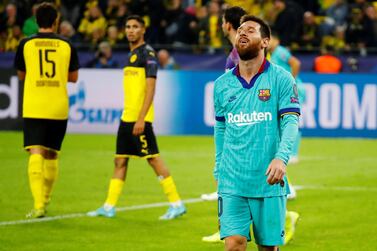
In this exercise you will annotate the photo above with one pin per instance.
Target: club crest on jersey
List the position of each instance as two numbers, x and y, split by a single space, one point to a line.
133 58
264 94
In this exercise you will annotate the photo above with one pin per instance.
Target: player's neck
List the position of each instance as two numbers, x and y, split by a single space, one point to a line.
139 43
249 68
232 37
46 30
273 47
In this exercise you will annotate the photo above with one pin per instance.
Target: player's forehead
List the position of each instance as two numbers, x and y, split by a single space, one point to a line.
133 22
249 25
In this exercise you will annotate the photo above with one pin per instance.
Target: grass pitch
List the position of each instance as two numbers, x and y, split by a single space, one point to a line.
337 202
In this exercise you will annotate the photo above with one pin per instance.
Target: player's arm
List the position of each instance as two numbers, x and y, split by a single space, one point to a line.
289 111
219 143
148 99
151 66
21 75
74 66
289 129
19 61
73 76
295 65
219 131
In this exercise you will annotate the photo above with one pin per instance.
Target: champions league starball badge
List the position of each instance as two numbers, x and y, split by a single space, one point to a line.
295 91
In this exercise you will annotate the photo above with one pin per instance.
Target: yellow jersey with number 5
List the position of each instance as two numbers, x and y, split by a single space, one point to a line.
47 59
141 64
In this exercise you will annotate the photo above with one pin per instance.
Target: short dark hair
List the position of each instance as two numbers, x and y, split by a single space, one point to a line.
138 18
46 15
265 29
275 34
233 16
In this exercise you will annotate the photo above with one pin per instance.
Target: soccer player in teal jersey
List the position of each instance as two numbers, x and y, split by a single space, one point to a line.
257 109
283 57
230 23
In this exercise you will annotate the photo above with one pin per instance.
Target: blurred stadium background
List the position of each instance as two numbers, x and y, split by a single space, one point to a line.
337 171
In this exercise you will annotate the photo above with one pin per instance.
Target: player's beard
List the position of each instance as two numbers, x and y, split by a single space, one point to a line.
249 52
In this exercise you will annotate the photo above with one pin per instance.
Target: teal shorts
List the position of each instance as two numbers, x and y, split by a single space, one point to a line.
266 215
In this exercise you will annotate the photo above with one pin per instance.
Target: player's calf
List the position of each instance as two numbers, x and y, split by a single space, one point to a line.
235 243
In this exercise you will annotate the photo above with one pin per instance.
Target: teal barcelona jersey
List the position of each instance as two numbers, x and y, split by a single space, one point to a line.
251 114
281 56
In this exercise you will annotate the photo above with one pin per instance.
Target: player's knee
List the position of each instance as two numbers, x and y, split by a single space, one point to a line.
37 150
51 154
120 162
268 248
235 243
153 161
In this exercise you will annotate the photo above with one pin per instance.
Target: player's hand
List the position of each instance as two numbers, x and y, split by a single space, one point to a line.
276 171
138 128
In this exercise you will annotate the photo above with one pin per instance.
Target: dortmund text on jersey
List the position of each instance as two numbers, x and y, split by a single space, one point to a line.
141 64
46 58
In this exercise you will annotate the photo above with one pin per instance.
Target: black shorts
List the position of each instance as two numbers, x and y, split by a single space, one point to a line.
128 145
47 133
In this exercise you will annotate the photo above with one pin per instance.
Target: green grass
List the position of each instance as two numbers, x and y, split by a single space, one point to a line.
332 217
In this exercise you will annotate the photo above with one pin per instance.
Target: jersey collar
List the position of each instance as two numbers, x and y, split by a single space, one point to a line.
46 34
264 67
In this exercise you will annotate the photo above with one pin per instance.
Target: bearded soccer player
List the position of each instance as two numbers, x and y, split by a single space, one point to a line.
230 24
257 110
135 137
46 62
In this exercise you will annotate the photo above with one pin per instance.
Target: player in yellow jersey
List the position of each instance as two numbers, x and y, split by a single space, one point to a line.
135 134
46 62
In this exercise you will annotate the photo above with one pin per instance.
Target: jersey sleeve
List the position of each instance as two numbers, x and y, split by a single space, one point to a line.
74 64
219 110
289 131
219 129
151 64
288 95
19 60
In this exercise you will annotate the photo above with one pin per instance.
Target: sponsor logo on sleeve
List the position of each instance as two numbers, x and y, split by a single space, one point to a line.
295 90
294 100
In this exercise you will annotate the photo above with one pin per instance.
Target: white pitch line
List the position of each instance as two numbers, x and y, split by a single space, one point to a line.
188 201
337 188
79 215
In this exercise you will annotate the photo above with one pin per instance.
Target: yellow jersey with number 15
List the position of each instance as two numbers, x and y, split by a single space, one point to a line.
47 59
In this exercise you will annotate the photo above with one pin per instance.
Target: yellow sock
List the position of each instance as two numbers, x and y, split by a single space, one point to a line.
170 190
35 171
50 173
115 189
